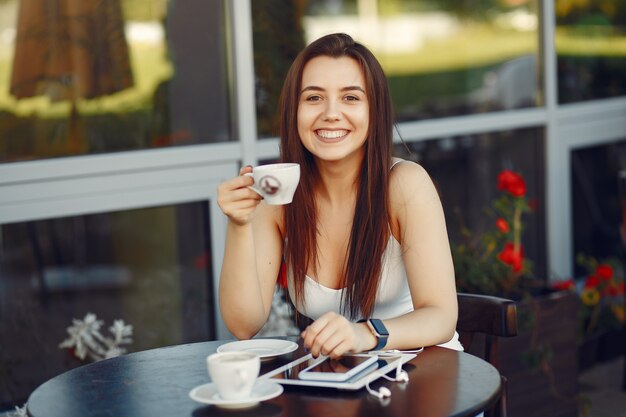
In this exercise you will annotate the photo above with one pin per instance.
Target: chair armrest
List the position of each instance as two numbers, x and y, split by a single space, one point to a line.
487 314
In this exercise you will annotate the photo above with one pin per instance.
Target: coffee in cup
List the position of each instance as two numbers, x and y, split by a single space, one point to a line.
276 183
233 373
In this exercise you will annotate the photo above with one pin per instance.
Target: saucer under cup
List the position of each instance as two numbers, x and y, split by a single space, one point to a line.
261 391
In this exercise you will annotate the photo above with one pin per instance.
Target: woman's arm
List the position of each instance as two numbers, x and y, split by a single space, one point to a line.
417 220
251 258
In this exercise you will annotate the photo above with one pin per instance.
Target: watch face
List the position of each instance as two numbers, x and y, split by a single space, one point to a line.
379 327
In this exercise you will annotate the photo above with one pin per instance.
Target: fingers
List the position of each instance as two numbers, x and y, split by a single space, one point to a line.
341 348
245 169
241 208
331 335
236 195
235 199
241 181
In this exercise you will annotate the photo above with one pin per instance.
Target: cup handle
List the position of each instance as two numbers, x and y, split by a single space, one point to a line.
252 187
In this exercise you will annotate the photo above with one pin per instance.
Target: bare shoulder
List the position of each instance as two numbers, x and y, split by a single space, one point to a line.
409 182
411 191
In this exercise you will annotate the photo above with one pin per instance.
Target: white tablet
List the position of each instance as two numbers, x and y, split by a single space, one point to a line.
289 374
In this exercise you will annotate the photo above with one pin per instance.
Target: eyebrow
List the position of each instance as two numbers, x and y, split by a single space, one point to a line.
348 88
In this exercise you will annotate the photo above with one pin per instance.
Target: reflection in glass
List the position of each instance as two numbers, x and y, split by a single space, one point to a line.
596 206
277 37
591 49
442 58
106 76
465 171
148 267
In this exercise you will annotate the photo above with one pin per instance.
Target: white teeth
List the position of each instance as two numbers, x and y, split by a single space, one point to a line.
332 134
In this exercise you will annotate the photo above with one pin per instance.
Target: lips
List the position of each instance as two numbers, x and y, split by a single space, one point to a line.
331 135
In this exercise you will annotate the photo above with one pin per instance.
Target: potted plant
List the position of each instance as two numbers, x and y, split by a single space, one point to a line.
602 313
493 262
541 362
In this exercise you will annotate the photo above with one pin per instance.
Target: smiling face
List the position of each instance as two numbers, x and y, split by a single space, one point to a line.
333 108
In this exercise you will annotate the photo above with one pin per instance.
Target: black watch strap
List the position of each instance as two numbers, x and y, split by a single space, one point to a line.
380 331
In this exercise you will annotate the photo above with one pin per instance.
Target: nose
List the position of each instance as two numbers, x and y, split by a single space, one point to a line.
331 112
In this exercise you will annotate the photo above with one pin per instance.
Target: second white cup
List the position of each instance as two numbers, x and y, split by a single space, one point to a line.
276 183
233 373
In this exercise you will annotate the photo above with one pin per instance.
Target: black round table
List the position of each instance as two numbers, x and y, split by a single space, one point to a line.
157 382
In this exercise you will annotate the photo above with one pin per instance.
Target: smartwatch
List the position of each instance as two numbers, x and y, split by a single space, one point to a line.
380 331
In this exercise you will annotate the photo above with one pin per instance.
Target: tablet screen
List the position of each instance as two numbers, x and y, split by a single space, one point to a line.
341 365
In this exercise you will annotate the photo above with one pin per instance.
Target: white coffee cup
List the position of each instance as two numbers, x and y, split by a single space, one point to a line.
276 183
233 373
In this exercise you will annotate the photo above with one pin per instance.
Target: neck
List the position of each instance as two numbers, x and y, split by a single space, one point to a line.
338 181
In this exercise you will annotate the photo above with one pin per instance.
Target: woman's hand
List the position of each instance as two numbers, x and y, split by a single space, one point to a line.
236 200
333 335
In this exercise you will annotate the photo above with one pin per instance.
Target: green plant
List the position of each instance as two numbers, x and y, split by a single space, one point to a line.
601 293
493 262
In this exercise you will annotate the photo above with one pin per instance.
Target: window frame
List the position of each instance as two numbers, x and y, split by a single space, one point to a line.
70 186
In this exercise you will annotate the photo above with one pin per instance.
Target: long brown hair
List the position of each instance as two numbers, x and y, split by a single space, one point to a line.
370 226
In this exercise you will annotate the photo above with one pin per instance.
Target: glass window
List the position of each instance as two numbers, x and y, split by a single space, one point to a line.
591 49
277 37
149 267
115 75
442 58
465 170
596 207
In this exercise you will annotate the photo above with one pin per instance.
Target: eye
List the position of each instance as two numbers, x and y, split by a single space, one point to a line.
351 97
313 98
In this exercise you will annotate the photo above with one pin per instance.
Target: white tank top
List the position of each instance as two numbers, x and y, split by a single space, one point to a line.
393 297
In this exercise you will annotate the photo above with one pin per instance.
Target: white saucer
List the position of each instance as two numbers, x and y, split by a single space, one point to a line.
265 348
261 391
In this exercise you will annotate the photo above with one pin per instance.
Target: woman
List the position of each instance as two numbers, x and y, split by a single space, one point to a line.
365 235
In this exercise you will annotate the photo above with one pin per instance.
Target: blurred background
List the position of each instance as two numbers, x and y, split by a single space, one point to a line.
118 118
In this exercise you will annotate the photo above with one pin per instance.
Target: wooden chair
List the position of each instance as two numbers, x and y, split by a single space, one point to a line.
489 318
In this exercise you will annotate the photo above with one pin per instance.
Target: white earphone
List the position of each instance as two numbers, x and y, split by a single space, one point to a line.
402 376
383 392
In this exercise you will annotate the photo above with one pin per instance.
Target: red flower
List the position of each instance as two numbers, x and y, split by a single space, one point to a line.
512 183
502 225
592 281
564 285
510 257
605 272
